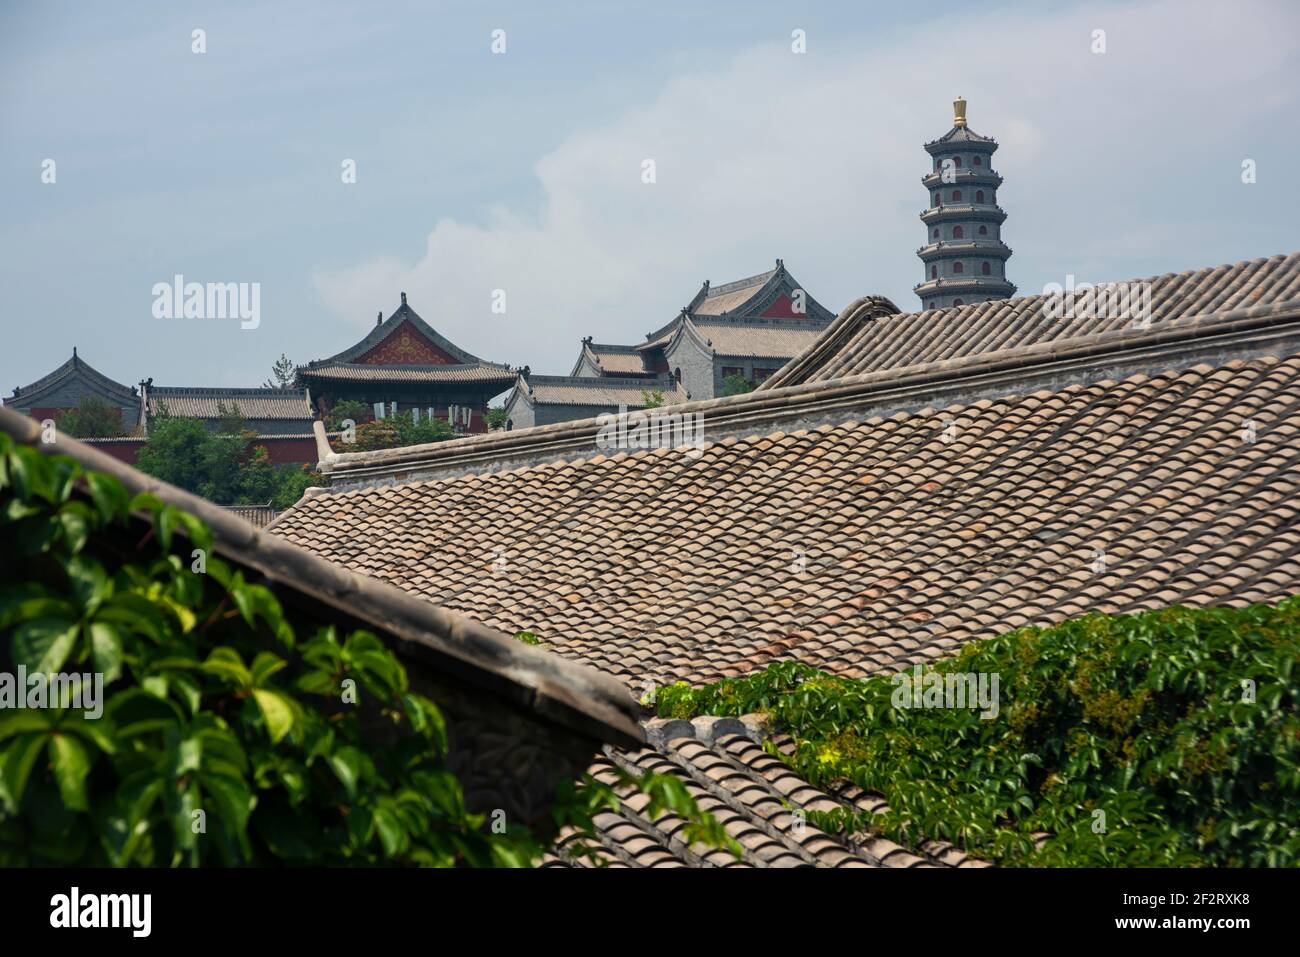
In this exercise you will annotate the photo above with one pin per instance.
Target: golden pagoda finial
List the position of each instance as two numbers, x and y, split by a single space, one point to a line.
959 111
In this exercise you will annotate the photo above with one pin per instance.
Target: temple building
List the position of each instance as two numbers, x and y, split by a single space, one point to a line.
63 389
964 256
749 328
404 365
281 418
547 399
268 412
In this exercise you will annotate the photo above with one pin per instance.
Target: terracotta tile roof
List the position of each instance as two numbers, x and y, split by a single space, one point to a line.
862 340
480 372
760 801
201 403
860 547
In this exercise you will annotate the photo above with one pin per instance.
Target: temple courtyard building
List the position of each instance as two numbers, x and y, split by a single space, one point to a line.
739 332
404 365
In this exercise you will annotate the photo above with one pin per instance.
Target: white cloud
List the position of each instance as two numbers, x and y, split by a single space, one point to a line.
817 159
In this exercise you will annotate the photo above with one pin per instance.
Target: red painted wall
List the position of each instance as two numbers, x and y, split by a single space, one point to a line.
406 347
297 450
783 308
123 451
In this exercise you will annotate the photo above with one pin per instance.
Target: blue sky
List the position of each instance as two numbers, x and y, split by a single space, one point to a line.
521 171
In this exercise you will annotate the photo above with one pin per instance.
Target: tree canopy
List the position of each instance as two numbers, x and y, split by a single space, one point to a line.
222 465
93 418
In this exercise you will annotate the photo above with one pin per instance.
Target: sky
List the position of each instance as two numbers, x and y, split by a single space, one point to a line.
521 172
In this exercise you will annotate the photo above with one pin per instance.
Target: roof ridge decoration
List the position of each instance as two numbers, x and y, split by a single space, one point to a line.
69 366
767 287
235 390
404 314
581 390
846 325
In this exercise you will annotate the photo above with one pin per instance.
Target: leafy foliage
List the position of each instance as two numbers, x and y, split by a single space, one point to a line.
222 465
347 410
1169 738
400 430
93 418
496 417
283 372
736 385
652 398
227 736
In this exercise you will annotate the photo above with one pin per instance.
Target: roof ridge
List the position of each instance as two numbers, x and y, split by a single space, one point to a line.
570 693
736 285
766 406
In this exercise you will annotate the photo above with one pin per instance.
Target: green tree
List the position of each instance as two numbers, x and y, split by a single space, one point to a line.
347 409
283 373
653 398
291 482
186 454
93 418
223 466
496 417
736 385
397 431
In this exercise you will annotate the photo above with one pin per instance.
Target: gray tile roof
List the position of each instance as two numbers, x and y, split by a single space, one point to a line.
617 360
607 390
74 366
862 340
483 372
404 315
200 403
259 516
863 546
732 295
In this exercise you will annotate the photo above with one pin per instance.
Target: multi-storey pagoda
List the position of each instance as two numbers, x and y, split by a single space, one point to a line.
964 255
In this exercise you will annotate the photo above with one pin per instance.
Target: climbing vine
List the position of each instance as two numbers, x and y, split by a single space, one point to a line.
214 727
1168 738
